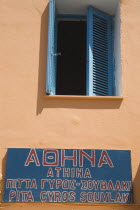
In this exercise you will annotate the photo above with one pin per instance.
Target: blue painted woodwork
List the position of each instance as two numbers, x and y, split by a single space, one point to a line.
100 67
52 50
93 176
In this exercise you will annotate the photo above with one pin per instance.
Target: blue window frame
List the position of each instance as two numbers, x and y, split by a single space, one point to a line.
100 66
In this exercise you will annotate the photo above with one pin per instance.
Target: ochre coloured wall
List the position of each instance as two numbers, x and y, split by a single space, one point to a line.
29 120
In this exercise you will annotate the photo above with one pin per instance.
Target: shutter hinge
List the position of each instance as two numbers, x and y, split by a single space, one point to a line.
56 54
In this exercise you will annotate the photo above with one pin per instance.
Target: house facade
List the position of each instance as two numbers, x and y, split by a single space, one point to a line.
32 119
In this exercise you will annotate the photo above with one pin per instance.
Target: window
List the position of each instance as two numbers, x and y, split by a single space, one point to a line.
81 54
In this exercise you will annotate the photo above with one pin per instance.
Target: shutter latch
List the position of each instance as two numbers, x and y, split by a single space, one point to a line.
56 54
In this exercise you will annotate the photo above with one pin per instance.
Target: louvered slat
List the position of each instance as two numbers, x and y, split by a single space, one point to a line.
99 53
100 30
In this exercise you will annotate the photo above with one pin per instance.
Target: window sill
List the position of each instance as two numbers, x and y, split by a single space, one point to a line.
83 97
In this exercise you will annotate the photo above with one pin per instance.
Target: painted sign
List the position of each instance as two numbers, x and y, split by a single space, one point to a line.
68 175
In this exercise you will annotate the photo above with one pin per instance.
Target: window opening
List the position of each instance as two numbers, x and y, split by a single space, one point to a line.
87 62
71 61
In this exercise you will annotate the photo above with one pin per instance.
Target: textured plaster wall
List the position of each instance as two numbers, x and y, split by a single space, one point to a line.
29 120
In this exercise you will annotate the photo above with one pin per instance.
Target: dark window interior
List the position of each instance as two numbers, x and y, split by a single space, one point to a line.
71 64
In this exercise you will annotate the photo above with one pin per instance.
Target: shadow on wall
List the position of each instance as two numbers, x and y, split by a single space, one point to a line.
136 187
61 103
3 176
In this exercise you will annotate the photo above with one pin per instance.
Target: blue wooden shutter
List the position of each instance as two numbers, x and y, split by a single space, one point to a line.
99 53
51 61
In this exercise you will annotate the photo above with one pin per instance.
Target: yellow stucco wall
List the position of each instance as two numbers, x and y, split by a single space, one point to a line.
29 120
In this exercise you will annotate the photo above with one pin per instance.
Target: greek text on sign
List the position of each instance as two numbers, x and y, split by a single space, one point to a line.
68 175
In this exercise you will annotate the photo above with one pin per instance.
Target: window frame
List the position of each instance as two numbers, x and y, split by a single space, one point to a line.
88 95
